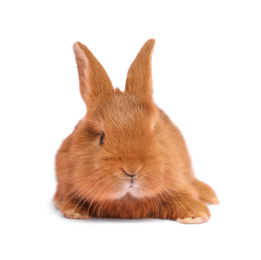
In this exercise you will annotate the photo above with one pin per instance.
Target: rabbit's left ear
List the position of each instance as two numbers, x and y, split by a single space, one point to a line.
139 78
93 78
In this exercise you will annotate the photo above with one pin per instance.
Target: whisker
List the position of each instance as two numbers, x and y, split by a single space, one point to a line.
98 187
184 200
76 192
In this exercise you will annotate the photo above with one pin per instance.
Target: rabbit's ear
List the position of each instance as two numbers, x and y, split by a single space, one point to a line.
92 76
139 78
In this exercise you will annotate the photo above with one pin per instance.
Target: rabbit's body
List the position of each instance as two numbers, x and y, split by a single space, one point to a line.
125 158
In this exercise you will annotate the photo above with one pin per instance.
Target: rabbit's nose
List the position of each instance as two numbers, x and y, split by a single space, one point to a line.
131 171
130 175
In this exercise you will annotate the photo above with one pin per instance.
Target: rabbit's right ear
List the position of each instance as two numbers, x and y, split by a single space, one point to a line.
93 78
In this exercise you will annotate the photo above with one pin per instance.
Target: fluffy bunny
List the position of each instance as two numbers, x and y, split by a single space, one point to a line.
125 158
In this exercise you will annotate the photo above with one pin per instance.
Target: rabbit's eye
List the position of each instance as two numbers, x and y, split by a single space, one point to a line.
101 138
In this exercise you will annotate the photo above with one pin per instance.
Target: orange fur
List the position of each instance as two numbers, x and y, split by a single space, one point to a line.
95 176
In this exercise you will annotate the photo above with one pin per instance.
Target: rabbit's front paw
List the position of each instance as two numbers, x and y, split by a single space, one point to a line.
75 215
74 210
196 213
193 220
189 210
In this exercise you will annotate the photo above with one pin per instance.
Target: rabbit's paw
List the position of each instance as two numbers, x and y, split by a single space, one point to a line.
75 215
189 210
195 214
73 210
193 220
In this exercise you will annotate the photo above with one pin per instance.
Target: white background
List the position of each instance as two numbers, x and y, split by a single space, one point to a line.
206 70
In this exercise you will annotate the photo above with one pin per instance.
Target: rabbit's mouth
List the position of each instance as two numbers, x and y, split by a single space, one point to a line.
133 184
132 188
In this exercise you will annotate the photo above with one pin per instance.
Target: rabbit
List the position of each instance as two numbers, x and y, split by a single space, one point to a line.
125 158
